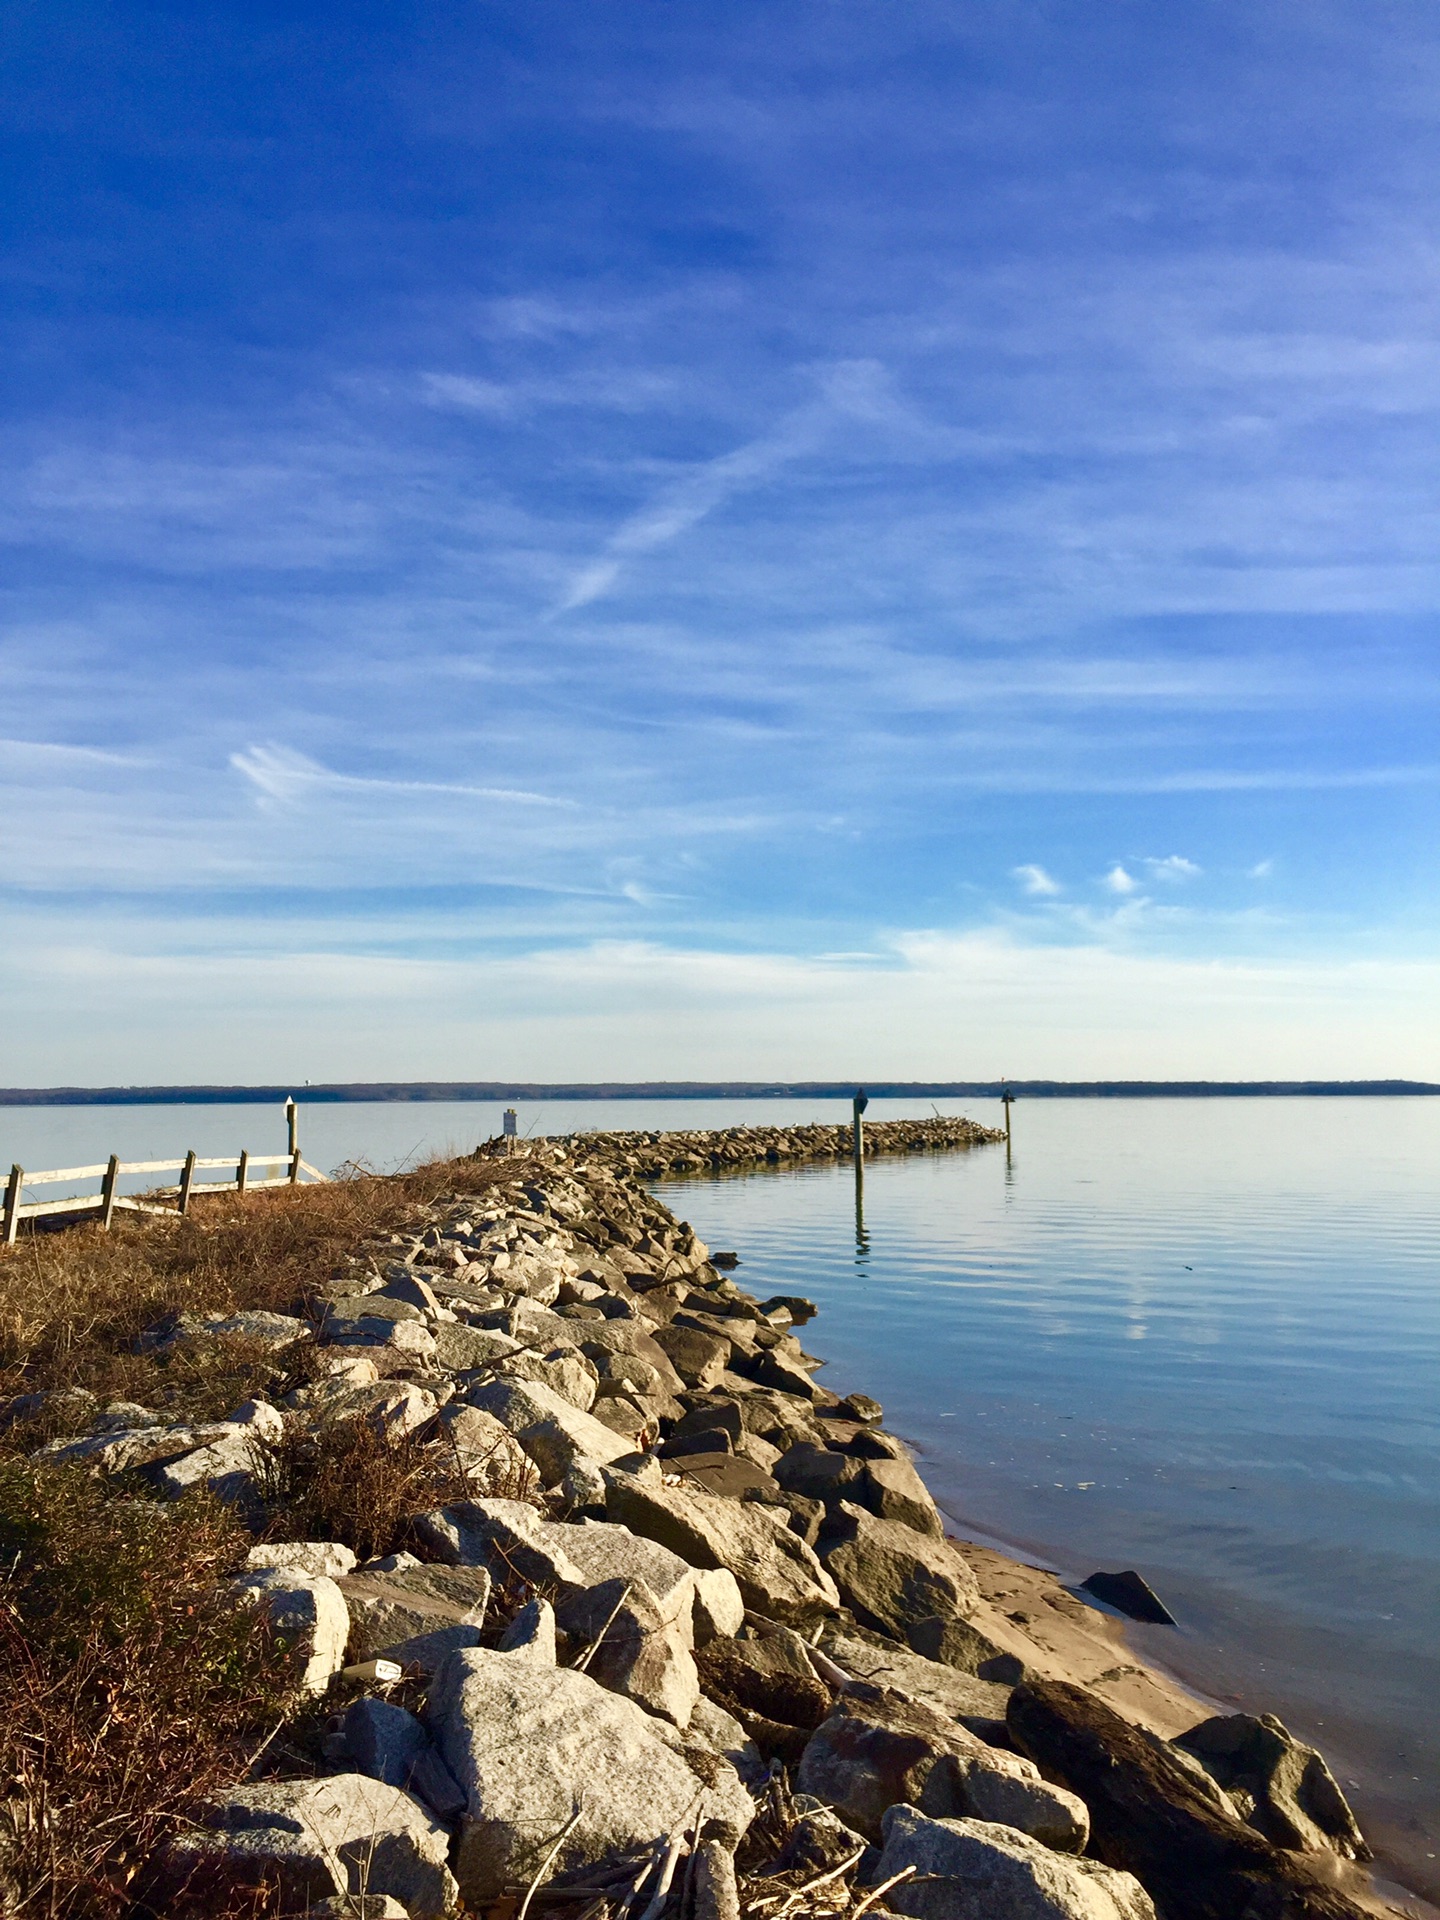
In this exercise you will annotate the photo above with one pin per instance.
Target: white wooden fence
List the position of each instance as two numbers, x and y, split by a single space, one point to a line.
108 1201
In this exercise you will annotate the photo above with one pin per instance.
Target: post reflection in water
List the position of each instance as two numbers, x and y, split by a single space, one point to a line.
862 1237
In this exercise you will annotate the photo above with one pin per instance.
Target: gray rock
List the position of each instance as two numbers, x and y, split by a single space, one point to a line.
783 1373
416 1615
605 1552
393 1408
274 1330
960 1644
551 1430
303 1556
228 1468
460 1349
530 1636
531 1746
877 1748
493 1459
564 1369
1276 1783
503 1535
778 1575
976 1870
719 1605
343 1834
389 1744
408 1289
891 1575
634 1647
308 1616
977 1704
700 1358
261 1419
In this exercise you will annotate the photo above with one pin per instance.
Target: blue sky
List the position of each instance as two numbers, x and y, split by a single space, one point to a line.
674 539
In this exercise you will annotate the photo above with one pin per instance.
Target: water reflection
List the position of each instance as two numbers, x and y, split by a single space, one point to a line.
862 1236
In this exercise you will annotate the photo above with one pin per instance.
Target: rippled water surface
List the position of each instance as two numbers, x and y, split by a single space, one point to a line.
1201 1338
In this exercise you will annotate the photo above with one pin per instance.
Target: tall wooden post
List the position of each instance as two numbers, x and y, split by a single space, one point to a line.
857 1125
1009 1099
107 1191
13 1187
187 1180
242 1172
292 1120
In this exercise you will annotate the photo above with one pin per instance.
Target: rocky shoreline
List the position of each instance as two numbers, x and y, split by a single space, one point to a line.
689 1641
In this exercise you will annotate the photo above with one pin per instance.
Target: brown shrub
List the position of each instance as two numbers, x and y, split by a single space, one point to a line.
128 1683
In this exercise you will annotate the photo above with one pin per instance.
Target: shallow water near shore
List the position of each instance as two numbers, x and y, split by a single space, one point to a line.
1197 1337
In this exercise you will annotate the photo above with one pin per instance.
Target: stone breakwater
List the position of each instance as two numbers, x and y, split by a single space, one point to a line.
695 1643
651 1156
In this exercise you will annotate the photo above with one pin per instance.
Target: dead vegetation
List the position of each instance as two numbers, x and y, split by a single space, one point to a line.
72 1303
128 1684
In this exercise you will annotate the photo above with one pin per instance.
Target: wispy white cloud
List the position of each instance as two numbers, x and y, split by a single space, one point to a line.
281 774
1261 870
1036 880
1174 867
1119 881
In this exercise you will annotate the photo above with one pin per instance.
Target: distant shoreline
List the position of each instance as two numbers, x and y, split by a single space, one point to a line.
419 1091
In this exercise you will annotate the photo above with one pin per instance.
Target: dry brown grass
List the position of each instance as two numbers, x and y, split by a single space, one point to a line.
128 1684
72 1303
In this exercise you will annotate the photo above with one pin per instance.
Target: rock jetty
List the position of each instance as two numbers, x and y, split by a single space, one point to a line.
649 1156
692 1639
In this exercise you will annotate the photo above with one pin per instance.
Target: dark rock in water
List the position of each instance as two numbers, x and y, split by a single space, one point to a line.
1129 1594
859 1406
1279 1785
1150 1816
799 1308
725 1262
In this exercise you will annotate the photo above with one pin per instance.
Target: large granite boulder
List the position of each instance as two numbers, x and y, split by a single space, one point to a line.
981 1870
877 1748
892 1576
778 1575
1275 1782
345 1834
532 1748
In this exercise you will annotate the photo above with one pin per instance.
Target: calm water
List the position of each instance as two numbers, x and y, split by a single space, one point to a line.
1197 1337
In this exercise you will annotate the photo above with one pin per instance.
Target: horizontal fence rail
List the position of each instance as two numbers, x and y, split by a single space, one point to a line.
248 1173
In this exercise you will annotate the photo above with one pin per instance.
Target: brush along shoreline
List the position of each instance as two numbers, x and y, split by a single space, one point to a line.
685 1637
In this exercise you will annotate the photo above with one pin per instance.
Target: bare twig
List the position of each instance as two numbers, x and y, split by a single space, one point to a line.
549 1860
594 1647
820 1880
878 1893
667 1874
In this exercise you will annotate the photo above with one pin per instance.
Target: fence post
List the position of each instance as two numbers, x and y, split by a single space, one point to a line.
186 1179
292 1120
12 1204
242 1172
107 1192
